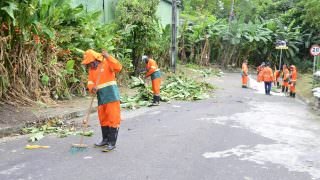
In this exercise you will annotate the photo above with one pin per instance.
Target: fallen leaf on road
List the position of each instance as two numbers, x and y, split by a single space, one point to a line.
55 126
36 147
36 136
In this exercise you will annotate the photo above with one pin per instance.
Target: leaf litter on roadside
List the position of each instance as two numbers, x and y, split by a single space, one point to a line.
56 126
142 98
205 72
174 88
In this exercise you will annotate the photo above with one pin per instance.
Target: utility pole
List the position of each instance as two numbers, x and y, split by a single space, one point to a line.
87 6
104 12
174 36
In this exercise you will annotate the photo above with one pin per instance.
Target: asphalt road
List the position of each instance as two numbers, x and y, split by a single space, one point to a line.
239 134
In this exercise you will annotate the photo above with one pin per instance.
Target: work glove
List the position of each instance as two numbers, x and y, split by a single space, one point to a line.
94 90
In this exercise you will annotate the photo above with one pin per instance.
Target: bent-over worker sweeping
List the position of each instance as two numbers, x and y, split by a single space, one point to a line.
153 71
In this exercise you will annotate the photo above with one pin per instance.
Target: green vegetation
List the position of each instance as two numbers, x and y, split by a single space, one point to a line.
175 87
305 85
210 34
41 42
37 131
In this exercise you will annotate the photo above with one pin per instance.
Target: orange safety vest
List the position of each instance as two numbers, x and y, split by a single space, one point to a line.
107 86
276 75
260 73
293 76
154 72
152 69
285 76
267 74
244 69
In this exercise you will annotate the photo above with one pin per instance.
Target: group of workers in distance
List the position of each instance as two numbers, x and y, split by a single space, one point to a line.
102 69
284 78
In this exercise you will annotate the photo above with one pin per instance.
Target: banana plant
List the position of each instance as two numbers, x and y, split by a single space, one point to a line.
7 10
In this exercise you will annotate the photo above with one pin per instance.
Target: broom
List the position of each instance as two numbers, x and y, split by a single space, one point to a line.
81 146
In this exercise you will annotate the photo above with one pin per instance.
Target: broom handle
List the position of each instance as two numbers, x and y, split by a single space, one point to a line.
85 125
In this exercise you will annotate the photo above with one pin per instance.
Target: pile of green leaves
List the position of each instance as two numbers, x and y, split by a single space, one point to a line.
205 72
142 98
174 88
183 88
58 127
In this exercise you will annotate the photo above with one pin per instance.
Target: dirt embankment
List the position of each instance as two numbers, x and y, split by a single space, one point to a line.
11 115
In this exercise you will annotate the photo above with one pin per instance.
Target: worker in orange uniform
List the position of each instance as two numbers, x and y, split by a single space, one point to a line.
153 71
285 79
276 76
293 81
102 81
244 74
267 79
259 71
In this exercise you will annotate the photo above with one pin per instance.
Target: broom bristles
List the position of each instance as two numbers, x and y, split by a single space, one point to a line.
80 145
75 148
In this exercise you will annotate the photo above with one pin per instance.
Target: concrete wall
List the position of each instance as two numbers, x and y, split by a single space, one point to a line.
105 6
108 11
164 12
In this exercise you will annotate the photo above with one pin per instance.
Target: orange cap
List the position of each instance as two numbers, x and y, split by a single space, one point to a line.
90 56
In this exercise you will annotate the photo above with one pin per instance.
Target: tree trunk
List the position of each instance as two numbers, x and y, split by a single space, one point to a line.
135 61
183 50
204 53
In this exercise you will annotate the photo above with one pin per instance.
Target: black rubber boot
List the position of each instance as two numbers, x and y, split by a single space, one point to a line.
104 130
154 100
158 99
287 89
112 139
293 95
283 88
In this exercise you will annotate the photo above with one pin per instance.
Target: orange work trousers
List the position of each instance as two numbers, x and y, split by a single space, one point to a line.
293 87
156 86
285 84
244 80
109 114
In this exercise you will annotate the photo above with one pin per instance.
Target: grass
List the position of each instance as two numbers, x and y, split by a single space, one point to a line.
305 85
